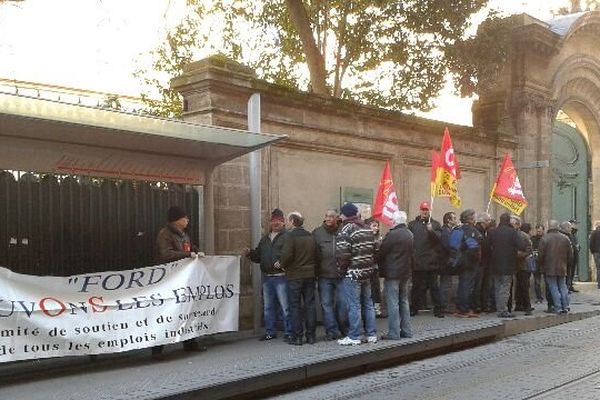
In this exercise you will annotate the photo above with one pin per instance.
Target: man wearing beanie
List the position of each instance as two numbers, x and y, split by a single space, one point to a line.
355 248
172 244
275 292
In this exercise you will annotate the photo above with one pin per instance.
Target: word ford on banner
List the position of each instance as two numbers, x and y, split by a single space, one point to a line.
115 311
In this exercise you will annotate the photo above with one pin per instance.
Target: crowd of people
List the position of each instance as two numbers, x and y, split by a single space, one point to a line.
417 261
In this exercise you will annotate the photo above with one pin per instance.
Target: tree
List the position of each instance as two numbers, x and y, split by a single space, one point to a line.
576 6
383 53
475 62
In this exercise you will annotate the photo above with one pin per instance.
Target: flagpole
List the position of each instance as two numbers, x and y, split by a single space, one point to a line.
487 211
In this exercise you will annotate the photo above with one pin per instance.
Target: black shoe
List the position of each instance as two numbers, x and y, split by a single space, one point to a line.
388 337
439 315
295 341
287 338
267 337
331 337
310 340
193 346
573 290
413 313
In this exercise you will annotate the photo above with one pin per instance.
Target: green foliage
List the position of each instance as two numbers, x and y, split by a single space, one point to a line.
383 53
168 62
475 62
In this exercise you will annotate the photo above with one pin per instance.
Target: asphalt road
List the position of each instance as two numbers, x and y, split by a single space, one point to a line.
559 363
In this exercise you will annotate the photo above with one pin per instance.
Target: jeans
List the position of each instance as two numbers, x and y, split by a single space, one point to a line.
502 284
560 293
275 291
597 262
464 293
358 299
301 292
335 313
423 280
396 296
445 287
476 299
522 298
537 285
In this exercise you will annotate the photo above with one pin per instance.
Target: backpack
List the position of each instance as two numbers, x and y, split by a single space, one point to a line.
459 245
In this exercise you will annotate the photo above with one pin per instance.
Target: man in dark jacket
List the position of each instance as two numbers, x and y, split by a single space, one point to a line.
595 249
355 251
537 275
330 289
483 298
471 256
275 296
571 232
446 275
172 244
428 248
504 244
555 253
396 257
522 276
298 260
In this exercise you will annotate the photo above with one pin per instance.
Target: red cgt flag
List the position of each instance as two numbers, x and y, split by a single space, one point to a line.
386 201
507 190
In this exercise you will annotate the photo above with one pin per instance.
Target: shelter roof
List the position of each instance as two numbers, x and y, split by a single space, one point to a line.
54 121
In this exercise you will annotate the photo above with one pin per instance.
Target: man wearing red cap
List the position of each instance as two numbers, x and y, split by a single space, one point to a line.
428 248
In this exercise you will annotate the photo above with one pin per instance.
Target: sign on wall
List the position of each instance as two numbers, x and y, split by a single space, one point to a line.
115 311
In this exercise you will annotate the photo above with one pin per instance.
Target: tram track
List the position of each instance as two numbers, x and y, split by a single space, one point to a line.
430 372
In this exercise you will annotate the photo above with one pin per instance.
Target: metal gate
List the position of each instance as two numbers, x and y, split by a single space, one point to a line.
570 186
64 224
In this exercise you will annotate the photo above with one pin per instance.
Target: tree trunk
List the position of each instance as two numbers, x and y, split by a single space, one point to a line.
314 59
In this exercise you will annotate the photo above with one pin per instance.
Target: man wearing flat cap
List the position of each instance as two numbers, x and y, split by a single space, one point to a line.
172 244
275 288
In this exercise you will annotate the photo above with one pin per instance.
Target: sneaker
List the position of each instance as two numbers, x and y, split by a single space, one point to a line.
348 342
371 339
506 314
528 312
267 336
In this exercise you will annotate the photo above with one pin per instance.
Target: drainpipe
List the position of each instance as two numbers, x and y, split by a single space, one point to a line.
255 208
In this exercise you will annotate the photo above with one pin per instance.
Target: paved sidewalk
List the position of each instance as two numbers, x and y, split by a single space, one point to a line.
245 367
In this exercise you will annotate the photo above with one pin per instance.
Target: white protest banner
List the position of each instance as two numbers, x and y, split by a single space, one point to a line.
114 311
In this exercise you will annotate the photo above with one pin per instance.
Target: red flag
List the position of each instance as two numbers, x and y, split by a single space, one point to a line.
448 171
507 190
386 201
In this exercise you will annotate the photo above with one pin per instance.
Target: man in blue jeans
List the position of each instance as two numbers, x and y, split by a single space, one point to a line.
395 263
267 254
355 248
335 315
469 265
555 254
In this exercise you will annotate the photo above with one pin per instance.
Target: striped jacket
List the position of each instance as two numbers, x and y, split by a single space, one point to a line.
355 249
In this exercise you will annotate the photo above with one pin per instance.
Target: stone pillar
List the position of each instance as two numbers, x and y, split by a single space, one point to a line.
207 86
532 118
